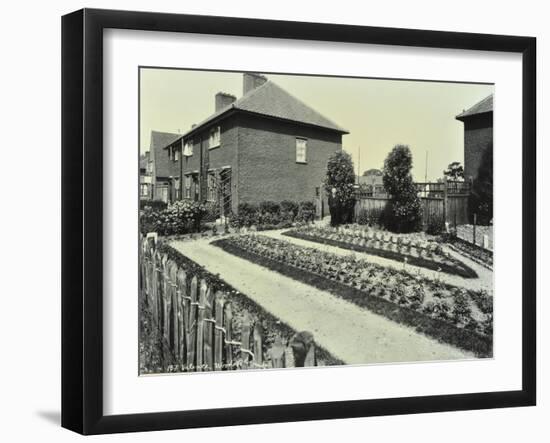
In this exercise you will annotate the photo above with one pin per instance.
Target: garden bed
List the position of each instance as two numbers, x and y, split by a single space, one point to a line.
481 256
449 314
241 304
428 255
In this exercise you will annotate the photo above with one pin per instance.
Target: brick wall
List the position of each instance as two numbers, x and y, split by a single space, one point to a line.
478 133
267 159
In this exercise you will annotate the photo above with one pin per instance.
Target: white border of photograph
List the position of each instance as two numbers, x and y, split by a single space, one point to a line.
125 392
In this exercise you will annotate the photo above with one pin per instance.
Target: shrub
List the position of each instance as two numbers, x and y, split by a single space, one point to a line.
403 212
180 217
462 312
341 176
212 212
436 224
269 207
155 205
289 210
307 211
247 215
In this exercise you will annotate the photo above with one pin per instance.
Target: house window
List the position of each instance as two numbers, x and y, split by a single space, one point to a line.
187 149
176 154
187 183
211 191
144 191
214 140
301 150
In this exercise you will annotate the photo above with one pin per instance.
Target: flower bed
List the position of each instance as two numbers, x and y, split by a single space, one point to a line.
402 248
241 304
450 314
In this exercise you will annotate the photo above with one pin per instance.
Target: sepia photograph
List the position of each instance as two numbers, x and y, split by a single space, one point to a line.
291 221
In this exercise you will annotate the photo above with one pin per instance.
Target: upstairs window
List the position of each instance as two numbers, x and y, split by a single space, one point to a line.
214 140
187 149
176 154
301 150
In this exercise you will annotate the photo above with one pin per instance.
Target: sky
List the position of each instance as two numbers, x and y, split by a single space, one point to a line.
378 113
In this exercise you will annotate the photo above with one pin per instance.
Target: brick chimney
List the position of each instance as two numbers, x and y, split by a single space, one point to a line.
223 100
252 81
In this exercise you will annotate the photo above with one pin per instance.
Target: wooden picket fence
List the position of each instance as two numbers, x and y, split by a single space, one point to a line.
195 322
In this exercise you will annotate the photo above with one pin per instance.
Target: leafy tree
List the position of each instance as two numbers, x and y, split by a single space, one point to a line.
404 210
454 171
341 176
481 198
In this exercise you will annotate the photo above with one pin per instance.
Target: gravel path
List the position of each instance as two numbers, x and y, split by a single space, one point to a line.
352 334
485 280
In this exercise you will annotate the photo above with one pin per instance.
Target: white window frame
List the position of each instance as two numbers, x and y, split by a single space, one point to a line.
299 159
214 138
176 154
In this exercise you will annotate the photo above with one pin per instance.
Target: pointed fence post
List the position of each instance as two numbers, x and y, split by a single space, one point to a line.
192 325
208 330
277 353
301 344
246 327
218 331
172 272
258 338
227 324
200 328
182 303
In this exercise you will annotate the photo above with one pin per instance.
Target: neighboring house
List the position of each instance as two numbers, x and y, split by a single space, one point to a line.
267 145
478 133
165 169
145 177
371 183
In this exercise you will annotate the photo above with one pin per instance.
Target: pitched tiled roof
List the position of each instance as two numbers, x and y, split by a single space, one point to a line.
164 167
271 100
482 107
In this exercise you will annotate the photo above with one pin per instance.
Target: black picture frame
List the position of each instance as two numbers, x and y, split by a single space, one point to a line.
82 218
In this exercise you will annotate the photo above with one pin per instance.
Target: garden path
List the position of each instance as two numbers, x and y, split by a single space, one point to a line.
352 334
484 281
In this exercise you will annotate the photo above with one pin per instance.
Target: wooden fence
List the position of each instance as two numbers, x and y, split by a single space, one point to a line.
447 200
196 323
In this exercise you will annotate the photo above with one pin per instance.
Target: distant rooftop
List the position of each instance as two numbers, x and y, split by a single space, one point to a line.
482 107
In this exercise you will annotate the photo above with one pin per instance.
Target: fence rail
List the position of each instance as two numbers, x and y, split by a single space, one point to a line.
447 200
197 327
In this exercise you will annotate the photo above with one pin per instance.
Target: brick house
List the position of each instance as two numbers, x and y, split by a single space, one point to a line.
145 177
266 145
478 133
164 170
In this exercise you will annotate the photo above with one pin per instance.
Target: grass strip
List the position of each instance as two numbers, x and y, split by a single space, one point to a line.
480 345
460 269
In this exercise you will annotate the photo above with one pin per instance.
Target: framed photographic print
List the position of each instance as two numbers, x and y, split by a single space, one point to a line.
270 221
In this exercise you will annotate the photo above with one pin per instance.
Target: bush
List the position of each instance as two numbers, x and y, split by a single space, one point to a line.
306 212
180 217
212 212
155 205
270 207
289 210
404 211
436 224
